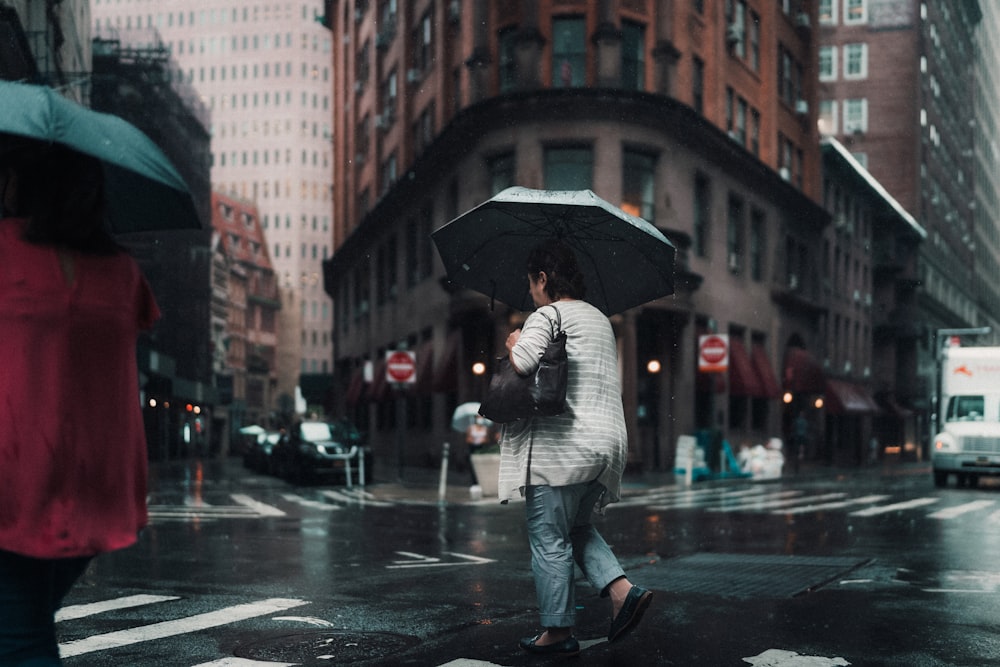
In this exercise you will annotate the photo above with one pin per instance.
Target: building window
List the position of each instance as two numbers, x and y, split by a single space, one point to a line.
827 63
569 168
827 120
855 116
638 184
736 17
569 52
702 215
755 131
423 44
828 12
734 235
698 85
753 31
508 63
758 244
855 61
790 73
633 55
389 90
855 11
501 172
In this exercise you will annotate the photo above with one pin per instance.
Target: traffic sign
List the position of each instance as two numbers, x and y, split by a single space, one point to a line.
401 366
713 353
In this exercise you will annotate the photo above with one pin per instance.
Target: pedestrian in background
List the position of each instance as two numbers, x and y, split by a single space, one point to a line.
569 465
72 444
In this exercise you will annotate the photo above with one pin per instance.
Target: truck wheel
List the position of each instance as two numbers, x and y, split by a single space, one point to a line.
940 479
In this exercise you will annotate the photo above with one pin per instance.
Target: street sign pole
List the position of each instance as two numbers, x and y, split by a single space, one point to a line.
400 372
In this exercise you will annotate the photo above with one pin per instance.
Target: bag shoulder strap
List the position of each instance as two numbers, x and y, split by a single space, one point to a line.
558 319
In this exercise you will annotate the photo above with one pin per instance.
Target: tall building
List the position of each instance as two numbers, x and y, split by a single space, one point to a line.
897 82
264 72
698 116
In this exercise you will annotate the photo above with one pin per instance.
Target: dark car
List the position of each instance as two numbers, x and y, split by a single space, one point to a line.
257 451
318 450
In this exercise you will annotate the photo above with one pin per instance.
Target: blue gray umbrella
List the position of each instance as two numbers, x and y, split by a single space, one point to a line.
144 190
625 260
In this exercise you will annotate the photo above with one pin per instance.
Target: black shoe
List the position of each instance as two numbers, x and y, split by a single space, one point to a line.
630 614
567 648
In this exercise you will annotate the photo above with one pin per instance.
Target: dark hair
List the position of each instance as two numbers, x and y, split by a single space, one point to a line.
61 193
556 259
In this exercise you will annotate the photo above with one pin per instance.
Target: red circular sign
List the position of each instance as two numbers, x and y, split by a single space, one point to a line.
713 349
400 367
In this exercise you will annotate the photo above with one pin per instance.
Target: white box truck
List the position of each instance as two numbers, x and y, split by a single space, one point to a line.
968 444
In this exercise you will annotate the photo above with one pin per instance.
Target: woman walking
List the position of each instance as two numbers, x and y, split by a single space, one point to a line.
569 465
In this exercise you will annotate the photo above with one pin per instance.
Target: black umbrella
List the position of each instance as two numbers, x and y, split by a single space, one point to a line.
144 190
626 261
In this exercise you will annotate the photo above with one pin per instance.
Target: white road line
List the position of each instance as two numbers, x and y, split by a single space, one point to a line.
702 501
958 510
305 502
353 500
180 626
863 500
243 662
762 505
765 501
885 509
259 507
75 611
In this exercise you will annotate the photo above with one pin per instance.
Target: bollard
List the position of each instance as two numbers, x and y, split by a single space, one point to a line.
443 484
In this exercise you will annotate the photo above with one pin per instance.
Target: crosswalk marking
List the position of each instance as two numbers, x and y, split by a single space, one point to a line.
240 612
958 510
895 507
75 611
778 501
360 498
863 500
305 502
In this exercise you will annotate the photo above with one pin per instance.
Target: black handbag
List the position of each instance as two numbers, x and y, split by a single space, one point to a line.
512 396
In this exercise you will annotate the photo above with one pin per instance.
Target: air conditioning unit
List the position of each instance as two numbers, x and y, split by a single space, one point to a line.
801 107
840 221
802 20
793 281
852 128
785 173
857 296
868 299
413 75
359 86
734 262
734 34
455 11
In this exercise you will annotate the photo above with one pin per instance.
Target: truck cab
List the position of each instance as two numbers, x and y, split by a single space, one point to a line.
968 444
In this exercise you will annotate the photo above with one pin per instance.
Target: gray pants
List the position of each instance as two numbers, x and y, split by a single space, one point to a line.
559 532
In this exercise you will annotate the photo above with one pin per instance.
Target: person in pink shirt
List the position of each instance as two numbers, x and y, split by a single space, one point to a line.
72 443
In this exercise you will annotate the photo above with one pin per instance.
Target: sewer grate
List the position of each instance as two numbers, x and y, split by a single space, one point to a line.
746 575
325 647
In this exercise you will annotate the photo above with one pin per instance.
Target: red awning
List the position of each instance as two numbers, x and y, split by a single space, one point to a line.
425 367
743 380
762 365
802 372
446 371
844 397
355 387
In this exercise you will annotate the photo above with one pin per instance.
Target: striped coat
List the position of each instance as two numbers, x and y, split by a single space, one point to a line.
586 442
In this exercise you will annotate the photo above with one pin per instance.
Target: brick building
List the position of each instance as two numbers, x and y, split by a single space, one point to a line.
698 116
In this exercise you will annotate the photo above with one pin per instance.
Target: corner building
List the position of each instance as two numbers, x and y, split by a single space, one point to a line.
698 116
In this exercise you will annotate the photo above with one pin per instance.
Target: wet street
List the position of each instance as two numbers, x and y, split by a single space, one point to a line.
867 567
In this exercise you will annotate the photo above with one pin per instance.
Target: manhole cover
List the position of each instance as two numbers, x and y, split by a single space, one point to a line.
746 575
325 647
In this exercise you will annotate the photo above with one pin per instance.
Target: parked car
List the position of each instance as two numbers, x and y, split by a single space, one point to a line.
318 450
257 451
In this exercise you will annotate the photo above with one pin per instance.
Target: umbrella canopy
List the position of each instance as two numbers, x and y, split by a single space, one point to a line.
144 190
625 260
466 414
